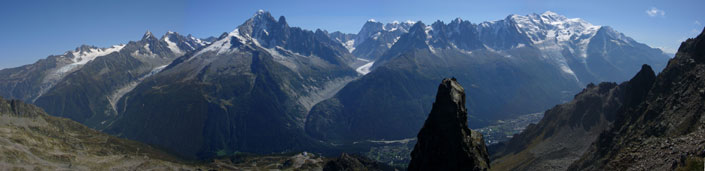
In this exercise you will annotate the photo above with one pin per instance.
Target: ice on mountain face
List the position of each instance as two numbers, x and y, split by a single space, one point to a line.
389 45
117 94
376 36
550 26
396 40
148 34
255 31
566 69
428 30
283 59
145 52
83 57
584 40
373 30
396 25
258 29
350 45
393 26
553 33
223 45
80 57
365 69
199 41
551 51
173 47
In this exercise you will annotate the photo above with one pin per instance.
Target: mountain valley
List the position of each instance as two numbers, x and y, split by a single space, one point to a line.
540 92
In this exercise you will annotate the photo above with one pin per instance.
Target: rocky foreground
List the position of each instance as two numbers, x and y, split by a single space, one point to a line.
32 140
651 122
665 131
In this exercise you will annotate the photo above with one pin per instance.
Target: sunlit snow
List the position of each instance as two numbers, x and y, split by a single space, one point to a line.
364 69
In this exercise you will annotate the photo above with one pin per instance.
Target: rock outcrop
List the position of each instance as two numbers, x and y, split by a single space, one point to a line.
664 128
567 130
445 142
30 139
347 162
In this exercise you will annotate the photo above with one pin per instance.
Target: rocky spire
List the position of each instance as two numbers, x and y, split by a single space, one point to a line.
445 142
148 35
638 87
370 28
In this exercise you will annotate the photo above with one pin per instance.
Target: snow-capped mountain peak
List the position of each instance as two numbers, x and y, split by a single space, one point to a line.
396 25
552 26
85 53
370 28
261 27
262 15
258 30
255 30
373 29
148 35
224 43
552 14
171 43
198 41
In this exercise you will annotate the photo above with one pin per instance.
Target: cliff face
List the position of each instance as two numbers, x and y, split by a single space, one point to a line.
666 129
647 123
567 130
445 142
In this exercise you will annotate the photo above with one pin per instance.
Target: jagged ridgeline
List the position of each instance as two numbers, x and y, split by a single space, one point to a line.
267 87
85 84
651 122
567 130
513 66
249 91
667 129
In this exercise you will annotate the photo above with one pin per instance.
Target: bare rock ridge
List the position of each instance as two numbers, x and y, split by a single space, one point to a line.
445 142
664 128
355 162
567 130
651 122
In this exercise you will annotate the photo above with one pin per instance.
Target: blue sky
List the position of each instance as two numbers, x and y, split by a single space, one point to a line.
32 29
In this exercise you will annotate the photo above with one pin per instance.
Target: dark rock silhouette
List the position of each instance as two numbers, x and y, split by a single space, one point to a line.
445 142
